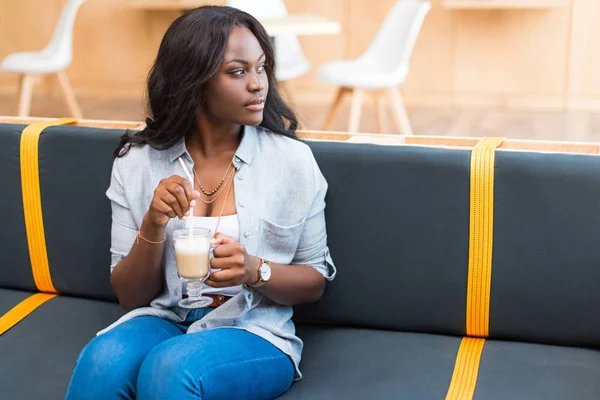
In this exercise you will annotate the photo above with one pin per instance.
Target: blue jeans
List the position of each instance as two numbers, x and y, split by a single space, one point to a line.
151 358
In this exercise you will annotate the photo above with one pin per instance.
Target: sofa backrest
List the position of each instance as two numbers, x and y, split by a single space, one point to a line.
74 166
15 268
398 226
398 223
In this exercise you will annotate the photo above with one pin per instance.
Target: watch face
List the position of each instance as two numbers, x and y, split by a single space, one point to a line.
265 272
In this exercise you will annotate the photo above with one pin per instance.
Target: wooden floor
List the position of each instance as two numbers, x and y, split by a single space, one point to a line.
581 127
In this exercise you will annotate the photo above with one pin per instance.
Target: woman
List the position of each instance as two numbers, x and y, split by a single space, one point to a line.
214 105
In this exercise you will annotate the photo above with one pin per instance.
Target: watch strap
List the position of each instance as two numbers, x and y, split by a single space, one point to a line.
261 281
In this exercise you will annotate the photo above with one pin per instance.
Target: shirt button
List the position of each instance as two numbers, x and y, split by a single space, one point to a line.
242 204
234 321
249 296
237 158
203 325
246 234
240 177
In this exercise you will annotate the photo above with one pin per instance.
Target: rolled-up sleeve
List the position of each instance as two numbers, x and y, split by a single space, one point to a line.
312 248
124 229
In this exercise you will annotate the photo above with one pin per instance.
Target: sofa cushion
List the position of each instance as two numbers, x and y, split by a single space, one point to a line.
398 230
75 167
16 267
525 371
10 298
546 256
346 363
349 363
45 344
398 226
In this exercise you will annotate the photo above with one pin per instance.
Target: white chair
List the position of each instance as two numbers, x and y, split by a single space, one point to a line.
291 62
54 59
379 70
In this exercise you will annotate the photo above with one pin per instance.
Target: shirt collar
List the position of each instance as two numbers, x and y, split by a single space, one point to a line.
245 151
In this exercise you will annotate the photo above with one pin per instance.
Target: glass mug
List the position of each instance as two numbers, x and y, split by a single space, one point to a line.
192 255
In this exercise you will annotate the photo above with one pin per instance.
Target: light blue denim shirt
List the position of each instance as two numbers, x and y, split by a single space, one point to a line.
280 200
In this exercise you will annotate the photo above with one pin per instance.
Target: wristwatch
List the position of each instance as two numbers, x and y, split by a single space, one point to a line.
264 274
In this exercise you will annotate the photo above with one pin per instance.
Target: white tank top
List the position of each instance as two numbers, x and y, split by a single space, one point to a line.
228 226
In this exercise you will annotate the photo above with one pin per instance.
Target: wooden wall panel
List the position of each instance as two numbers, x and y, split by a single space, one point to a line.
25 25
431 77
115 54
513 51
584 61
320 49
500 58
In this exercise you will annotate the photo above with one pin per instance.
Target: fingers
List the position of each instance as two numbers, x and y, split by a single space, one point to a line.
179 198
163 208
217 238
225 278
230 260
173 203
195 195
228 249
235 260
177 193
185 185
173 198
221 239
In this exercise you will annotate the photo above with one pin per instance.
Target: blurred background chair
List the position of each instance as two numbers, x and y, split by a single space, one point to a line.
380 69
290 59
52 60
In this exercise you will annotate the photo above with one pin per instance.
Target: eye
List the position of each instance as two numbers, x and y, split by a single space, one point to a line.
237 72
261 68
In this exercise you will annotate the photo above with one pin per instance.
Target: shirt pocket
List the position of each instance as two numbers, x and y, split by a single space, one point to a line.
278 243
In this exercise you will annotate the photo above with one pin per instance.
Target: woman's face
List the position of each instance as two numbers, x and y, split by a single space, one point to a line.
237 93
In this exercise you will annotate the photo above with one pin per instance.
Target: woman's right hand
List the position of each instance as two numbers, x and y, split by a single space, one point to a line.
172 198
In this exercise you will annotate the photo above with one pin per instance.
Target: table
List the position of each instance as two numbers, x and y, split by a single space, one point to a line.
304 24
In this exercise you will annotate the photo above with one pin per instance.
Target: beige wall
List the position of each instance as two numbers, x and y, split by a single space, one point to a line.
545 59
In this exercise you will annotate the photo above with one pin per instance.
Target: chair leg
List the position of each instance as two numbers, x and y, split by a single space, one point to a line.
68 95
400 115
26 85
335 108
358 97
381 109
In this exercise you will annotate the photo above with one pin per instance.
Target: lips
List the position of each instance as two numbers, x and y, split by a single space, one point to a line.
256 104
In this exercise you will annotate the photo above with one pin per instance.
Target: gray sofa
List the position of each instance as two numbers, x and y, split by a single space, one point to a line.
391 324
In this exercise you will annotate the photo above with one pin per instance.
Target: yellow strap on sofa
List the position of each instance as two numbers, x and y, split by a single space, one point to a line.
464 377
32 203
23 309
34 224
481 233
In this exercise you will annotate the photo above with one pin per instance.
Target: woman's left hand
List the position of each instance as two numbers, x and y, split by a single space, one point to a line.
236 266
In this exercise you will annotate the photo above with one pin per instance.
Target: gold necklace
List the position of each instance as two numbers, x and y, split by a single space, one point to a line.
220 193
229 186
217 188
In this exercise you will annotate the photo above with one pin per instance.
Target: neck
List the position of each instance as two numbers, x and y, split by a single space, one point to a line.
212 138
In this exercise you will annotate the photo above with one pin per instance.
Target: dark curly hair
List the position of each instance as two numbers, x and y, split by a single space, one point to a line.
190 54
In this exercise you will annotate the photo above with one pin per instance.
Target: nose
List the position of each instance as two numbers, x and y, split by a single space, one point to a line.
255 83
